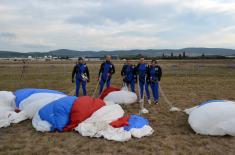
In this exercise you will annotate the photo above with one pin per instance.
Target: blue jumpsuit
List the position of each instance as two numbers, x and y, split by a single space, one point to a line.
154 75
107 69
128 71
79 70
141 71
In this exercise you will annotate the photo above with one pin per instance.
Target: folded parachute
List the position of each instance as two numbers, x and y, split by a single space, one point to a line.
118 96
214 117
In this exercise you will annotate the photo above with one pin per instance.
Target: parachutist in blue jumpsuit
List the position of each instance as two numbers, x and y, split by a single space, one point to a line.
141 71
106 71
128 74
82 76
154 77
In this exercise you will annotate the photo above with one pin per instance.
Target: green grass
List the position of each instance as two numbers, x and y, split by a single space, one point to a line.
186 85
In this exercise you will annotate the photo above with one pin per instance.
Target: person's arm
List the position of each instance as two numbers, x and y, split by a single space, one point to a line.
160 73
113 70
148 72
136 70
134 74
101 68
87 73
147 69
73 73
123 70
148 76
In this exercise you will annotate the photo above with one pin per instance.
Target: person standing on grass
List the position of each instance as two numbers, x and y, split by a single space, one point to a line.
82 76
106 71
128 74
154 77
141 72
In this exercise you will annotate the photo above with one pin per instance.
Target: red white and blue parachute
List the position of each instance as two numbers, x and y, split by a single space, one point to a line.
55 111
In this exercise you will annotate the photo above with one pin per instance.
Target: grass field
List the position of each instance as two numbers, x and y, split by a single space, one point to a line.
186 83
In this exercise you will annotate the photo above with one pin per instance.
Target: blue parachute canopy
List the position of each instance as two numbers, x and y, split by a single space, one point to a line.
136 121
22 94
57 113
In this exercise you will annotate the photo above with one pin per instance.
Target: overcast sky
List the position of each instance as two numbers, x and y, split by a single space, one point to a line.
42 25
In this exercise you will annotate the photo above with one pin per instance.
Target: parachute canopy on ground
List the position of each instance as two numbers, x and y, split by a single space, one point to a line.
214 117
52 110
118 96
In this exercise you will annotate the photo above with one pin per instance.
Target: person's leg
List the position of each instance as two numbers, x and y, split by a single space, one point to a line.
84 88
77 87
153 89
108 82
101 86
147 92
156 92
133 86
141 85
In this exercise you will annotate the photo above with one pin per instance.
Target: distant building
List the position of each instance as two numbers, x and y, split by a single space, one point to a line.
114 57
231 56
92 58
73 59
30 58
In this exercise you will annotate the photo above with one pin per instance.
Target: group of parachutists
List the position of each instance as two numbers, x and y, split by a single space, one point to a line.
103 116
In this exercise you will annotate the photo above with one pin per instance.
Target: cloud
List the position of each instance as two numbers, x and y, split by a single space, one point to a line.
42 25
35 46
7 36
121 12
213 6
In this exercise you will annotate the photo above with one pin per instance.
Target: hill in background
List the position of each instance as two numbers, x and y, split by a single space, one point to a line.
123 53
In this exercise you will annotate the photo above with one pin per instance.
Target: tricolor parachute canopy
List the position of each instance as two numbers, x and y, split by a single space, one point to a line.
55 111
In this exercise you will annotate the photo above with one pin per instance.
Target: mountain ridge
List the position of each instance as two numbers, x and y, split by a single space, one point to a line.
191 51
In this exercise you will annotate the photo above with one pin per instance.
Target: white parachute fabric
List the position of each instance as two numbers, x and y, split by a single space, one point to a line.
215 118
4 118
98 124
100 119
121 97
40 125
109 102
34 102
18 117
7 101
31 105
116 134
91 129
142 132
